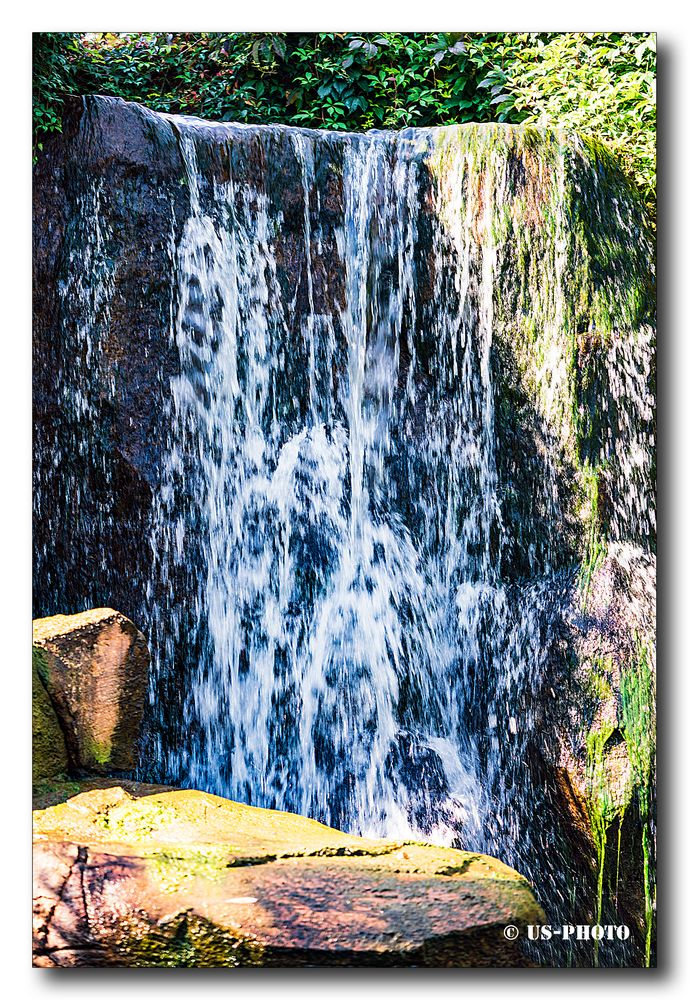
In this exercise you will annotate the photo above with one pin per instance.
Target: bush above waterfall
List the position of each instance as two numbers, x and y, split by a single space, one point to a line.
601 83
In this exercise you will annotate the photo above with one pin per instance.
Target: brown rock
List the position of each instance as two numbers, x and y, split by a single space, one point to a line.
94 666
184 878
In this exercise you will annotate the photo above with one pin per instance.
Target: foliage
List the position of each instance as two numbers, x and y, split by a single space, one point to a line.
53 78
601 83
327 80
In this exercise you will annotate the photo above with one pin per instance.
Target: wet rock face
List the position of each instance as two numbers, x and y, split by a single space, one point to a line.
598 745
611 621
111 432
93 669
104 356
186 878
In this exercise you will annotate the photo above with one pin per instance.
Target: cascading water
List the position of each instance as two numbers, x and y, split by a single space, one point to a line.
372 436
320 613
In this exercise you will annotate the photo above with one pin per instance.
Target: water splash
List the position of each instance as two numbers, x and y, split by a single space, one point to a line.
311 602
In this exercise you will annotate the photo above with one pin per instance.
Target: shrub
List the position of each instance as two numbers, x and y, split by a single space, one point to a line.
601 82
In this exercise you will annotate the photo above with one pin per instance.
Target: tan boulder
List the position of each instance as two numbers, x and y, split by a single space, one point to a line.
94 667
184 878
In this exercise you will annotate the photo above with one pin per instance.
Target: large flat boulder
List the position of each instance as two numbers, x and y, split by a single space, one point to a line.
183 878
94 668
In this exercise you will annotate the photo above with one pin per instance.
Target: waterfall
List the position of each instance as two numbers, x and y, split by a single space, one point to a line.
377 408
320 610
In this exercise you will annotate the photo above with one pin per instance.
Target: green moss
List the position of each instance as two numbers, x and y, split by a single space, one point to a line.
638 699
606 800
39 663
175 868
601 800
99 751
612 251
49 752
620 822
637 693
589 514
573 267
138 820
187 941
568 268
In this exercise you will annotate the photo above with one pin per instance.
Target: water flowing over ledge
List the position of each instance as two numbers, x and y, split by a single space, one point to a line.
345 423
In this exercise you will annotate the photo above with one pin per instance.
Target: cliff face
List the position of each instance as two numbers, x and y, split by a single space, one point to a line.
348 425
102 272
572 284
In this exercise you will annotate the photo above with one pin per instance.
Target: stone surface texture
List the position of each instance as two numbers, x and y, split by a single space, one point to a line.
183 878
94 668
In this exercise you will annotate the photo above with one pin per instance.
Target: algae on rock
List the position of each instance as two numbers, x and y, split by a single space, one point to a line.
637 690
49 753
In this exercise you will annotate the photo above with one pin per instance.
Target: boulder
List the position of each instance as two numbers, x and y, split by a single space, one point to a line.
93 667
63 787
184 878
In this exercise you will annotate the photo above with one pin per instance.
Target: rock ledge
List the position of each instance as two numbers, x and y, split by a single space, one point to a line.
183 878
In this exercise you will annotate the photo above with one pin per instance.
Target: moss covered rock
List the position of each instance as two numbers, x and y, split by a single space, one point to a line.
603 718
49 753
183 878
94 668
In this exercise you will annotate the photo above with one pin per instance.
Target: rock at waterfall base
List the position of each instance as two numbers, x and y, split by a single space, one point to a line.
93 669
48 752
184 878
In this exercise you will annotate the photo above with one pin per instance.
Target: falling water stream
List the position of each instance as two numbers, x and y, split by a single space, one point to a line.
324 611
